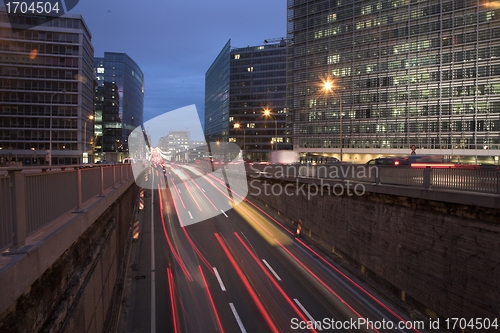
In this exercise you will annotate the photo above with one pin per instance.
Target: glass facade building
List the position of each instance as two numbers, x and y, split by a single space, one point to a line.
217 97
254 84
423 73
46 90
119 104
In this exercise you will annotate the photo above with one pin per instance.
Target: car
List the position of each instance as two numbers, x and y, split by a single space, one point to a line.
394 161
425 159
332 160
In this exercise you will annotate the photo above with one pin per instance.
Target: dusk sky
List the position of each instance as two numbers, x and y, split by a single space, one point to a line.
175 42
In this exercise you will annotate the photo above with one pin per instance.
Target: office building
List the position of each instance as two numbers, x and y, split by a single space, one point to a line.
406 74
198 151
119 104
46 90
245 99
174 145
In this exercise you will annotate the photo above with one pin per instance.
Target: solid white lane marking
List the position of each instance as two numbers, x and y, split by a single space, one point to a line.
272 270
153 276
223 213
219 279
304 310
238 320
191 216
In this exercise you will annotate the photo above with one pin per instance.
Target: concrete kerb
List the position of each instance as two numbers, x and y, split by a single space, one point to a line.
128 301
118 313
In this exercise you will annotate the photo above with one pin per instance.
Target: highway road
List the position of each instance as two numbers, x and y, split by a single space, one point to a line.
238 270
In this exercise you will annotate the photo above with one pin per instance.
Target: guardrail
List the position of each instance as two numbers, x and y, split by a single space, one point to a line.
33 197
480 179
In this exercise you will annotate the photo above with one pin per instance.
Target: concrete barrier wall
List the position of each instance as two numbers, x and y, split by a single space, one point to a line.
75 293
441 258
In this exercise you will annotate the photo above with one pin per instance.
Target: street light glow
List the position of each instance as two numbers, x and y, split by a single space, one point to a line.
328 85
491 4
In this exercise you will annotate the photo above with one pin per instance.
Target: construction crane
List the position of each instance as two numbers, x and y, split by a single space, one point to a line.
281 40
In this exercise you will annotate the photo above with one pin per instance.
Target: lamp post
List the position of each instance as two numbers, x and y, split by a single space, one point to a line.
50 128
329 88
85 149
267 113
238 126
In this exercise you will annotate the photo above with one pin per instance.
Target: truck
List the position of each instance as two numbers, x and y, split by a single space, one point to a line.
283 157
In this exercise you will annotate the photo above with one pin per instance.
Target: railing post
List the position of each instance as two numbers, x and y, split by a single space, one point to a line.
19 211
102 180
498 180
427 177
79 187
377 175
114 177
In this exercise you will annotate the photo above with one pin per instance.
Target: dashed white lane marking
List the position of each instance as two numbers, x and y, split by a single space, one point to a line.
272 270
219 279
304 310
238 320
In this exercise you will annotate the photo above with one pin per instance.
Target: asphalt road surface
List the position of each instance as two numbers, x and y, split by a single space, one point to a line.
237 270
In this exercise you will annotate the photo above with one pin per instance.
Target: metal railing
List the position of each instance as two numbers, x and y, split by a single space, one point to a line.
478 179
33 197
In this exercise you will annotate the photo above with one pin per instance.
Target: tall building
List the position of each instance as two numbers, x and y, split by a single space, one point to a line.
119 104
46 90
217 97
405 73
245 99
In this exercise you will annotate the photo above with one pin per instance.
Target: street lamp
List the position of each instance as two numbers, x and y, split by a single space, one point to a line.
267 113
238 126
50 128
328 87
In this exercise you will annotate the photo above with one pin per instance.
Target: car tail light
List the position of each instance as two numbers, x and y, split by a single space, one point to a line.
396 162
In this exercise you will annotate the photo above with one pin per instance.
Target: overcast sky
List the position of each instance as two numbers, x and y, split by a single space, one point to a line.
175 41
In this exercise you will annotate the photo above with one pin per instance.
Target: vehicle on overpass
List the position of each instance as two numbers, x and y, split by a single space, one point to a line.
394 161
283 157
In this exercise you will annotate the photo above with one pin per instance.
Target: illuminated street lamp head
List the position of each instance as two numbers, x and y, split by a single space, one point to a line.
237 125
267 112
328 85
91 117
